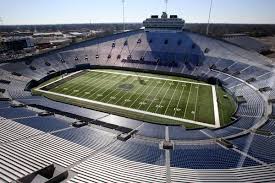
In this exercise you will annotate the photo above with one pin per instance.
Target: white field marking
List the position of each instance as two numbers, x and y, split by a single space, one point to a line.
58 80
92 80
142 103
187 101
106 86
171 99
75 80
133 80
73 86
132 110
110 86
140 95
164 97
155 96
125 93
179 100
196 104
149 94
216 108
87 90
150 77
128 100
84 82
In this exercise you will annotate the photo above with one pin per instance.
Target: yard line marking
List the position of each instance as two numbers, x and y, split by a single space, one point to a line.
106 85
69 89
155 97
98 80
133 80
139 95
130 109
74 80
216 108
97 83
149 94
128 98
196 104
127 92
122 97
187 100
163 97
58 80
151 77
171 99
179 100
109 86
84 83
134 93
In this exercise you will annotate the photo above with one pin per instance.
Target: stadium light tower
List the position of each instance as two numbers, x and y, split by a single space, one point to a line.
123 12
166 5
209 16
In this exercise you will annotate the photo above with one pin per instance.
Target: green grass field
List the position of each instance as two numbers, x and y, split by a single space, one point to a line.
148 97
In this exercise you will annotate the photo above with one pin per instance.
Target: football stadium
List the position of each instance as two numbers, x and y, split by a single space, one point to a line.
157 104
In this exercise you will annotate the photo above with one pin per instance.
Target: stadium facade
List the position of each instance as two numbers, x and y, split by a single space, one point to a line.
43 139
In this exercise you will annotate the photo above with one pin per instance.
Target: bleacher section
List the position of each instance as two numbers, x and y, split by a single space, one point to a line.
207 157
93 153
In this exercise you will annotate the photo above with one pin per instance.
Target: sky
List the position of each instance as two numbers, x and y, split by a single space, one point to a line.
15 12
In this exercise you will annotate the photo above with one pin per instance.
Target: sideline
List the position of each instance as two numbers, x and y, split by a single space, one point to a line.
130 109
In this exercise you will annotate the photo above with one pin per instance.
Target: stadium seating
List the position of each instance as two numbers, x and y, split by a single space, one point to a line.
94 153
260 147
207 157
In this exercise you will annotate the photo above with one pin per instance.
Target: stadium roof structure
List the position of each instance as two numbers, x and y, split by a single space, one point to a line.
45 139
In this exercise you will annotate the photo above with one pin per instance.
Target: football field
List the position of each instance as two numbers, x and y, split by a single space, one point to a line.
148 97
